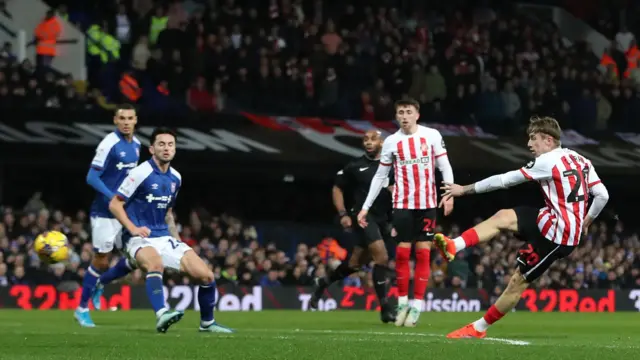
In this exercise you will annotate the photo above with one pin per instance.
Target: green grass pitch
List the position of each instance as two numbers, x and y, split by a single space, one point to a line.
317 335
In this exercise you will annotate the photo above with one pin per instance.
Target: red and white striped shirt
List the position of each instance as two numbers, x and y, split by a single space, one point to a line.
567 180
565 177
414 159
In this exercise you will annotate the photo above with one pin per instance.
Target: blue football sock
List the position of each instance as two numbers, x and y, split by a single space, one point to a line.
206 300
155 291
121 269
88 284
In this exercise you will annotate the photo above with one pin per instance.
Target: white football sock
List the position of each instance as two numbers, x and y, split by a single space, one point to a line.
206 323
403 300
481 325
460 244
161 312
417 304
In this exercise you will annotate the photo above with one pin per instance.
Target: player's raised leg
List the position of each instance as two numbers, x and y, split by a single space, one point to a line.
121 269
341 272
504 219
149 259
191 264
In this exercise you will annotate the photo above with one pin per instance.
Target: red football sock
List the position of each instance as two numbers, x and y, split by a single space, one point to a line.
403 272
421 275
492 315
470 237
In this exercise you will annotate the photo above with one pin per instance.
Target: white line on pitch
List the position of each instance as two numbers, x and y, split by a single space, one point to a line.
383 333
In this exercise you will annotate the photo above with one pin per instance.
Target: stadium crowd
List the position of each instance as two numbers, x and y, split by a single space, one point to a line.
608 258
345 59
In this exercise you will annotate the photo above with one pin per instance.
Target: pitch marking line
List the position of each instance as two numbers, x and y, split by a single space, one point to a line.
383 333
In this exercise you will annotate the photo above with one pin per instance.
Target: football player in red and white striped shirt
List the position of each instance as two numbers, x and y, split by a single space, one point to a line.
568 181
414 151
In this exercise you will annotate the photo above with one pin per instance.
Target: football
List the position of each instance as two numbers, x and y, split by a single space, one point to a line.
51 247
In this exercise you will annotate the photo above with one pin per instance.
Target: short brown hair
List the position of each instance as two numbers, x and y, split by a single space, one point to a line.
408 102
545 125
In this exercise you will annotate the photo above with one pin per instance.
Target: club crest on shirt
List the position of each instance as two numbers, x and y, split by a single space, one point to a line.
424 148
530 164
173 187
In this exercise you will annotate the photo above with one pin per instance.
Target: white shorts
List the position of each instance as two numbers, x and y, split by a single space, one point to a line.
105 234
170 249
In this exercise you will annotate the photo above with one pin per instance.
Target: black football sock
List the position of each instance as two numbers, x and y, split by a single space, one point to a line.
381 282
342 271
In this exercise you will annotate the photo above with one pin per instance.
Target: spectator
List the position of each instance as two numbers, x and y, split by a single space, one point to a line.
511 101
624 37
435 87
270 279
141 54
47 33
604 111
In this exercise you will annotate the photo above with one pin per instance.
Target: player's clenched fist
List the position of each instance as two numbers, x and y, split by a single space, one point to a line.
362 218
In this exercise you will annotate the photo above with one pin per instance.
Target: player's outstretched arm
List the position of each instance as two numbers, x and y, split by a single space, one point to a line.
492 183
171 222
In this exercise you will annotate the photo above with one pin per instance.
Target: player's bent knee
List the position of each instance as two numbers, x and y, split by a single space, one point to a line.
193 265
149 259
423 244
209 278
404 244
379 252
506 219
356 257
518 283
100 261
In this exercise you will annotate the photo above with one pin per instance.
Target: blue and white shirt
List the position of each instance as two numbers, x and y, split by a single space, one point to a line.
115 157
149 193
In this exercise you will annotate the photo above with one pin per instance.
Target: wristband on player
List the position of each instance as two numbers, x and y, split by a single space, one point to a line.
342 213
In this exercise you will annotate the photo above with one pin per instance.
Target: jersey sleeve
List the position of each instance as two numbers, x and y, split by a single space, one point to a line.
131 183
392 178
440 149
386 154
538 169
593 177
174 197
342 178
178 186
103 151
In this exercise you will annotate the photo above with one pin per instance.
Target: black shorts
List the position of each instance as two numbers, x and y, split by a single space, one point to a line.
377 229
538 253
414 225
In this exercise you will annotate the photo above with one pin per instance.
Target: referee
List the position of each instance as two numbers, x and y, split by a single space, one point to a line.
355 179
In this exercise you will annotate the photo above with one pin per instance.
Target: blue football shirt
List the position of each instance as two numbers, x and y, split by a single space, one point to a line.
149 193
115 157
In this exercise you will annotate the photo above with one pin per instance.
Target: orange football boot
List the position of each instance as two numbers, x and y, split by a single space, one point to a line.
467 332
445 246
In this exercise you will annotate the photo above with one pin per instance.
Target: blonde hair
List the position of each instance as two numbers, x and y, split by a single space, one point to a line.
545 125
